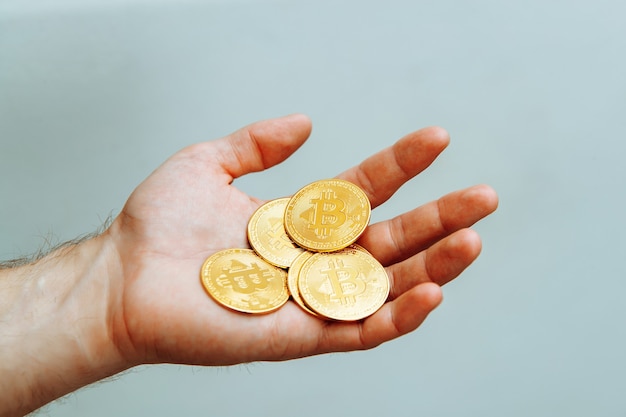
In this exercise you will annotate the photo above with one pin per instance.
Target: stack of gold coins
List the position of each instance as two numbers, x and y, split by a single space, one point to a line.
303 246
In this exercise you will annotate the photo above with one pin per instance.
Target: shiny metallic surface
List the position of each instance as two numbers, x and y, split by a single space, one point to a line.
267 236
347 285
239 279
327 215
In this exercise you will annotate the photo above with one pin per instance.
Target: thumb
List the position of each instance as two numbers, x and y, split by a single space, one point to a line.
263 144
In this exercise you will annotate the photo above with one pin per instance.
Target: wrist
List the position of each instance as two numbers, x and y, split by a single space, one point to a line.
57 324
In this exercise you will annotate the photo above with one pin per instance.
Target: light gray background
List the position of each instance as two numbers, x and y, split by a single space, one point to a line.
94 95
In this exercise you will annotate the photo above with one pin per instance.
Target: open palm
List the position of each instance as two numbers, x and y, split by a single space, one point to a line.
188 209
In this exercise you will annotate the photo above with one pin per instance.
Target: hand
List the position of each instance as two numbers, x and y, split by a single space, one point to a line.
188 209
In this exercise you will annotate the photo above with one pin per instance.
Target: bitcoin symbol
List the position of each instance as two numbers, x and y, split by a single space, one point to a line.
243 278
278 238
326 215
344 281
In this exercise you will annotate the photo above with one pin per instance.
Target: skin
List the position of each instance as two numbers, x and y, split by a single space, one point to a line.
132 295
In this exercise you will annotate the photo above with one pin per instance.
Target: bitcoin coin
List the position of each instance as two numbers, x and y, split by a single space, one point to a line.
359 247
292 280
346 285
327 215
267 236
243 281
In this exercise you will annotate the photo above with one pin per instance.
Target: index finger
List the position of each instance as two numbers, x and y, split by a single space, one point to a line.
383 173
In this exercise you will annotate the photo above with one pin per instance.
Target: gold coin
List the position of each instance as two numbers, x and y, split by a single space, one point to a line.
327 215
345 285
359 247
292 280
267 236
243 281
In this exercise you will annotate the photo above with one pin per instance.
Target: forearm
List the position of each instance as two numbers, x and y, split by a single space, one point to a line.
56 325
